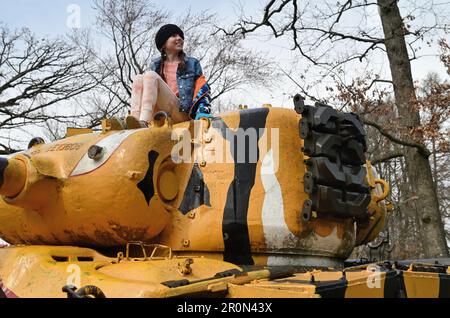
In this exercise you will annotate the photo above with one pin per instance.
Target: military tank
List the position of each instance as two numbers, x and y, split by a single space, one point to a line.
263 202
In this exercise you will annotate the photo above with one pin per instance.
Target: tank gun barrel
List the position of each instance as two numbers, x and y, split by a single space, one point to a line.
13 174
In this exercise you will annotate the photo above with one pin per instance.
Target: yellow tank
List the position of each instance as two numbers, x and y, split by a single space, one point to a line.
229 206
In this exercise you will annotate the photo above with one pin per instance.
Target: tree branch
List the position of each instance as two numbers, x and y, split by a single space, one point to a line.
386 157
421 149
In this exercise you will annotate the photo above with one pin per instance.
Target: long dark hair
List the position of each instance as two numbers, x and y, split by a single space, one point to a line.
181 66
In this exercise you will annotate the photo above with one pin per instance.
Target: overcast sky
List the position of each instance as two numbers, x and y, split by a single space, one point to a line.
49 18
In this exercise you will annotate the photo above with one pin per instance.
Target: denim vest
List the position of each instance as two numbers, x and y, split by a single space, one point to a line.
185 79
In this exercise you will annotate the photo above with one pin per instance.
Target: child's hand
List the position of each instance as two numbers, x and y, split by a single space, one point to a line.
203 115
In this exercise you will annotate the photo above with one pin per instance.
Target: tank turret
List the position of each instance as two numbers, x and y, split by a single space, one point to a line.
94 189
13 175
265 186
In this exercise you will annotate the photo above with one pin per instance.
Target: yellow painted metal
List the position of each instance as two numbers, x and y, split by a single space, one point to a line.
14 178
370 176
77 131
421 285
168 185
358 284
132 190
365 284
261 291
385 190
106 125
58 208
42 271
215 285
106 205
378 208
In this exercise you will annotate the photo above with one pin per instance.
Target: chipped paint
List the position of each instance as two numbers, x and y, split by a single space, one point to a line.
22 267
106 207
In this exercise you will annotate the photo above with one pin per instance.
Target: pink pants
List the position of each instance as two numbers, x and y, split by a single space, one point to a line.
150 94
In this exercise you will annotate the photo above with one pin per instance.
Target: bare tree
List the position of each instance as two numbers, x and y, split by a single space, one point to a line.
417 164
327 40
37 75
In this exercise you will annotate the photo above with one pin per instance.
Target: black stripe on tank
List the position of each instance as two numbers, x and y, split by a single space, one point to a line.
146 184
326 289
332 289
394 284
234 224
444 285
196 192
3 165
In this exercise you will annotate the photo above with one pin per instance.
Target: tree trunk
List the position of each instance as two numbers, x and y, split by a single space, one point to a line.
417 165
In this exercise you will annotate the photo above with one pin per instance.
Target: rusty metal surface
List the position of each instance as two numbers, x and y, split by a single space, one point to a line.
109 188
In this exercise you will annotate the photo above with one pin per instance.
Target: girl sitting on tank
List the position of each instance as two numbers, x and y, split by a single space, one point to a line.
175 84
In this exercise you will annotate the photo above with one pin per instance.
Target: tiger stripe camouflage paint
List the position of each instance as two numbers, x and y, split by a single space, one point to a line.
248 213
237 247
276 234
244 212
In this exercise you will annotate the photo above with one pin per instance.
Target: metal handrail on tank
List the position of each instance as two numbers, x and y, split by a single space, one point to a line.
143 246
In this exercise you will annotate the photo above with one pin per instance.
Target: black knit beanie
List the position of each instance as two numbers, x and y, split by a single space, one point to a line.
165 32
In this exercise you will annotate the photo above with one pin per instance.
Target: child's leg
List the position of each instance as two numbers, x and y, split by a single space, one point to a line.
158 96
136 96
149 95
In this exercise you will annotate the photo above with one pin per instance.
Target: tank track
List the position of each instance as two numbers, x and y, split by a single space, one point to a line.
336 176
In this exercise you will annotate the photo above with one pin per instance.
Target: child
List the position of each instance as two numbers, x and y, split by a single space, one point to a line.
175 84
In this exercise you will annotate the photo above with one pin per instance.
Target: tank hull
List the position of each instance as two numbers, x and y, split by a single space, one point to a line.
239 192
43 271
